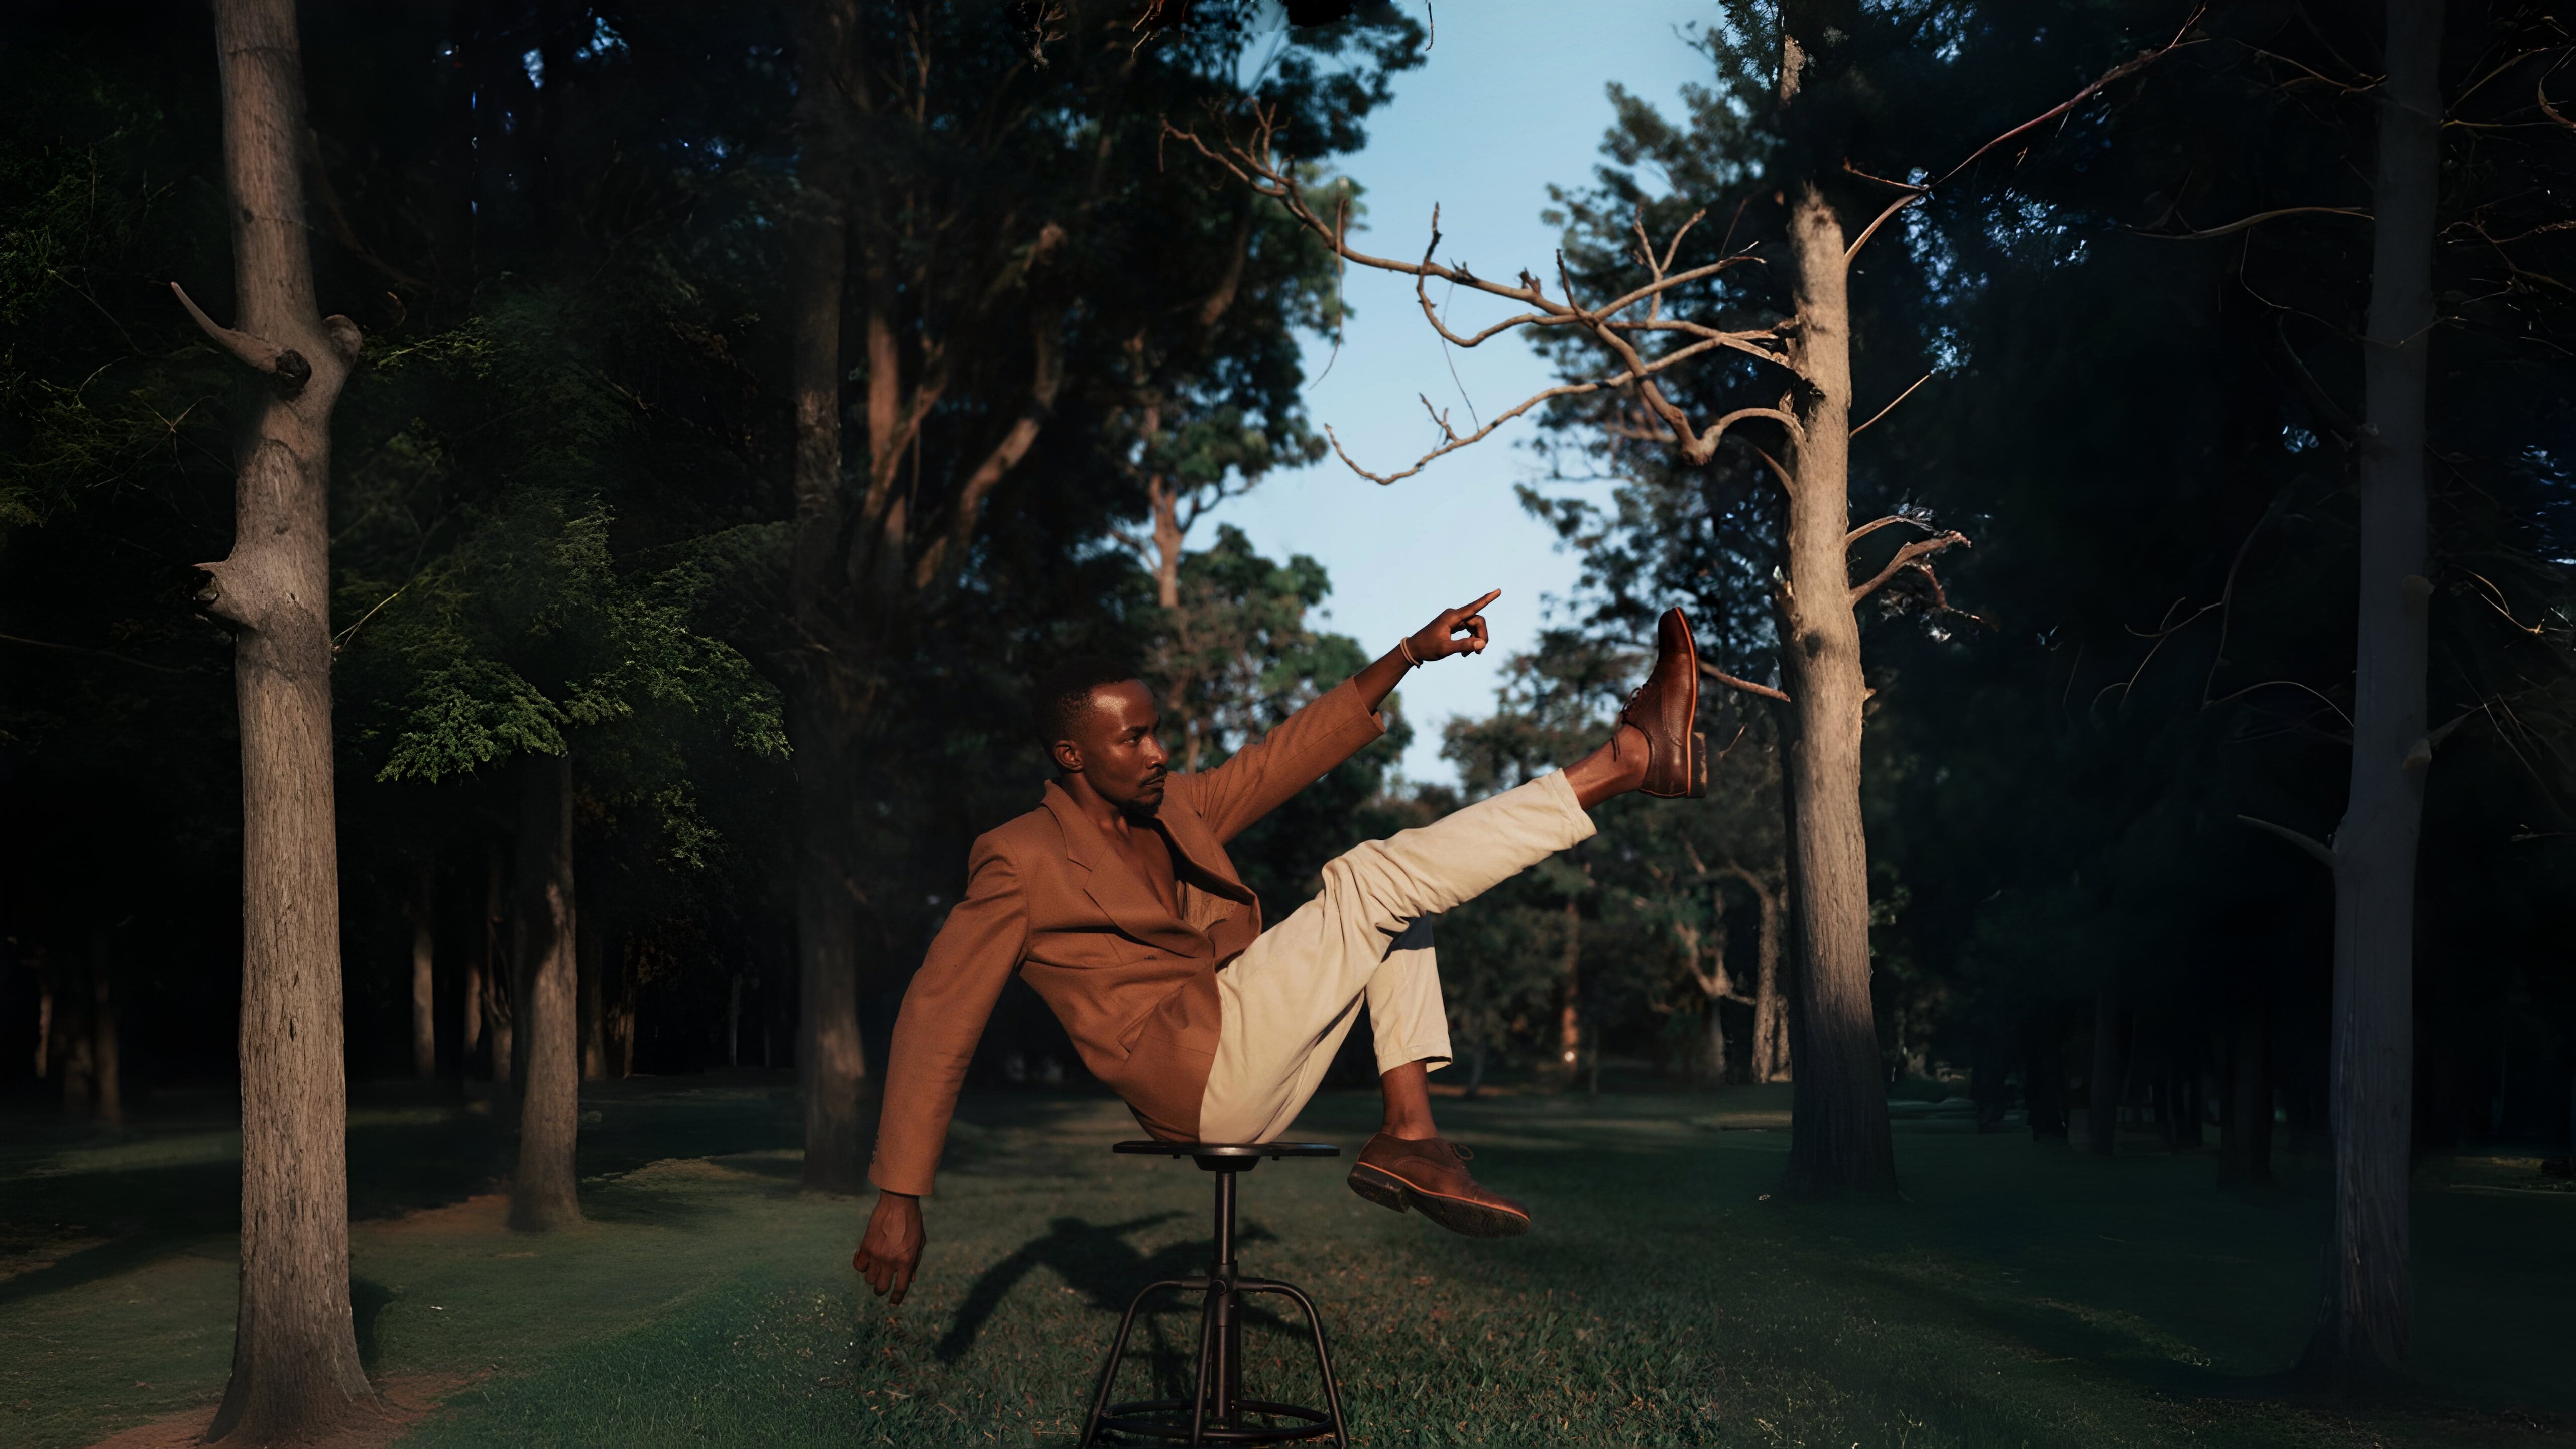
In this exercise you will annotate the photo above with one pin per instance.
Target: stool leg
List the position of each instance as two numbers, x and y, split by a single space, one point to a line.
1323 1356
1117 1351
1209 1338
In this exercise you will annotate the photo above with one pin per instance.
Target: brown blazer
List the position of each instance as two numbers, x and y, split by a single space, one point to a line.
1134 985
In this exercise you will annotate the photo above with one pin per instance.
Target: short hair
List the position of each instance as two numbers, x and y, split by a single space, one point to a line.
1064 692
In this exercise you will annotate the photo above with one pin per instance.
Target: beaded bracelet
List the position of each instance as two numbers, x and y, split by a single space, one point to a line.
1404 647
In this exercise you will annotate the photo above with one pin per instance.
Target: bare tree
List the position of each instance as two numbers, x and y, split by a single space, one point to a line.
295 1352
1840 1142
2366 1324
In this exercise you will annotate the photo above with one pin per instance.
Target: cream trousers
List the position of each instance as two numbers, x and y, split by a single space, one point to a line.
1290 999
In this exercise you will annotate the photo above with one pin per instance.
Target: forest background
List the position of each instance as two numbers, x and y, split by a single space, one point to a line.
604 608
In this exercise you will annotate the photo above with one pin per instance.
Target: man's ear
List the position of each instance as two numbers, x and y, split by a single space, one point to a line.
1067 756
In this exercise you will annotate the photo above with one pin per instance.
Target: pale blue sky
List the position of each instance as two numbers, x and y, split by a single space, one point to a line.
1511 99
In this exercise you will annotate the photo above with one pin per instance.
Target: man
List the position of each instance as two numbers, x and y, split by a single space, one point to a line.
1116 901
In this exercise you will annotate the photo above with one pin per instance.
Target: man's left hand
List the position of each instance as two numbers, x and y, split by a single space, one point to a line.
1453 631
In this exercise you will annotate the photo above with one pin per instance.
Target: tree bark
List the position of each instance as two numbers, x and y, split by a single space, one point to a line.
501 990
1569 1025
829 1057
109 1075
733 1020
544 1193
424 985
2364 1329
594 1030
1770 1014
295 1364
2102 1093
2044 1075
1838 1138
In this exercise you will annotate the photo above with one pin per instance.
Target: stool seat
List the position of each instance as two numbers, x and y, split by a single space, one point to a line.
1217 1410
1226 1156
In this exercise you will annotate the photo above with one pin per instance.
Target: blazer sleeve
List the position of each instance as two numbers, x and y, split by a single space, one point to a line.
1303 749
944 1012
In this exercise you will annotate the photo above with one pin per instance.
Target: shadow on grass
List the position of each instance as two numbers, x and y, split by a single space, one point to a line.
1096 1261
89 1265
368 1300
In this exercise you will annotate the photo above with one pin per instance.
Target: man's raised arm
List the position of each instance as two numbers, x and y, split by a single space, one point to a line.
944 1011
1308 744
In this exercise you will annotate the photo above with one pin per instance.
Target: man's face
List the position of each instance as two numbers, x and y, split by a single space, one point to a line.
1113 748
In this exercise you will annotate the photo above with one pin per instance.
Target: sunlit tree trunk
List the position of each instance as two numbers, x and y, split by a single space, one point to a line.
1838 1140
544 1192
1838 1136
2365 1323
295 1364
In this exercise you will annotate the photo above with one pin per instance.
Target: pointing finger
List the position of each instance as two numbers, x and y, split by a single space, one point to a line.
1481 603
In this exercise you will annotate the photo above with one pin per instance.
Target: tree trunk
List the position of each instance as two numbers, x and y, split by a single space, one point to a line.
829 1057
1569 1024
501 989
470 1013
1717 1062
733 1020
544 1194
2044 1075
594 1030
424 993
44 1018
1770 1014
1838 1137
2102 1094
623 1037
109 1078
2364 1329
295 1364
2245 1127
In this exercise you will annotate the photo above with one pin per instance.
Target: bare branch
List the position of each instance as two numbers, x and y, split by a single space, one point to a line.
2123 70
85 649
1871 230
1875 524
1748 686
2119 72
2540 92
1910 557
2257 219
284 364
1256 164
2319 849
1891 407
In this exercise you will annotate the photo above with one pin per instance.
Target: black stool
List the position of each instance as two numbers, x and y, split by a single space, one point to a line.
1217 1410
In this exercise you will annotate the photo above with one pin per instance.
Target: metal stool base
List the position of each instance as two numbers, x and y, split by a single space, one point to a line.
1217 1410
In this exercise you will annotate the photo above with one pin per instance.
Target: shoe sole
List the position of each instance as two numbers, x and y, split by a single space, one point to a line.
1457 1214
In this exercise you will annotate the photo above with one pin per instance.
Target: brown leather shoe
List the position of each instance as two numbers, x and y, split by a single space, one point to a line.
1429 1175
1666 709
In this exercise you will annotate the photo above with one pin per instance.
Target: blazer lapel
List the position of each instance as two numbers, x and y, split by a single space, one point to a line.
1112 883
1191 837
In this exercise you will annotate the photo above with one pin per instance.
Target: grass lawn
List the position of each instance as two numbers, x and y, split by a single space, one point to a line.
2022 1295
